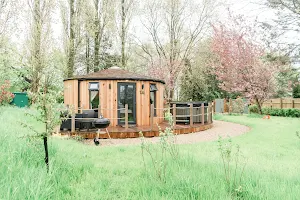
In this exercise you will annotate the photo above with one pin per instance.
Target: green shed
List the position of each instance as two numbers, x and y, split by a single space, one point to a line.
20 99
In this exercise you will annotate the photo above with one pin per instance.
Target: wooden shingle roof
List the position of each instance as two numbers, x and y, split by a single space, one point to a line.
115 73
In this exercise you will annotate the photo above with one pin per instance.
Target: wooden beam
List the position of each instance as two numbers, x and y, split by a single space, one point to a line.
126 116
202 113
174 115
73 120
151 116
209 112
293 103
99 111
191 115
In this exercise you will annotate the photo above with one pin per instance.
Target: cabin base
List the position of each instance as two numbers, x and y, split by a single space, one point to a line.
133 132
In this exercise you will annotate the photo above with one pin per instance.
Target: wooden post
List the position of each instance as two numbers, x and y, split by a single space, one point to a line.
293 103
73 120
191 114
230 106
224 105
99 111
271 104
126 116
281 103
209 112
151 115
174 114
202 113
214 108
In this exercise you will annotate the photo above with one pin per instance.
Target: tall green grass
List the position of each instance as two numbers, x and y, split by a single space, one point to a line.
78 171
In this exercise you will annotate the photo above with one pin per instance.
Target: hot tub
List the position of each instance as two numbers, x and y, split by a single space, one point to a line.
183 111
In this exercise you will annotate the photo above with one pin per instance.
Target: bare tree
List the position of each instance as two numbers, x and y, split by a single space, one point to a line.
71 14
175 26
286 25
38 41
124 17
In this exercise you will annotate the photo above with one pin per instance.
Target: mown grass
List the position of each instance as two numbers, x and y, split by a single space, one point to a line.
78 171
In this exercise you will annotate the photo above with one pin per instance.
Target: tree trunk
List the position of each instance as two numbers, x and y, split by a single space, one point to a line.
46 152
258 105
36 53
123 35
97 37
71 40
87 54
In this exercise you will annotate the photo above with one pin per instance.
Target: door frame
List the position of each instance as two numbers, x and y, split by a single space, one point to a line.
119 84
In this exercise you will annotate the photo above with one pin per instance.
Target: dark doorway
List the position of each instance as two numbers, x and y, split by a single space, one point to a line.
127 95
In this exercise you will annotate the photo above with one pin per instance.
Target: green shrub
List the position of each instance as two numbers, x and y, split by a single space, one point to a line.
290 112
253 109
238 106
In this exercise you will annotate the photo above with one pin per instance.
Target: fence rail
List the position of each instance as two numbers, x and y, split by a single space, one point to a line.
183 112
282 103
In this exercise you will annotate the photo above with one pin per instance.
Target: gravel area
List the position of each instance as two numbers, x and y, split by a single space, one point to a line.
219 128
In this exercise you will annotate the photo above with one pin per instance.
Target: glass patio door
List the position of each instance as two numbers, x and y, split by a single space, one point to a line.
127 95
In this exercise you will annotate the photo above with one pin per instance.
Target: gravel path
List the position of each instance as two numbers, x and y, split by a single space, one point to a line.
219 128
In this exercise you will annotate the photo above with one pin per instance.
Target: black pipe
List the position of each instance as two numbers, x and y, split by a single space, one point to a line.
46 152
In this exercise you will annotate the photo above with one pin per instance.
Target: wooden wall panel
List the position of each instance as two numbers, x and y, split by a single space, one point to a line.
108 99
71 93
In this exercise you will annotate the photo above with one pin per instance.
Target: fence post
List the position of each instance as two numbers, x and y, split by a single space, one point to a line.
151 115
191 114
271 105
224 105
126 116
209 112
73 120
174 114
293 103
230 106
214 108
202 113
281 103
99 111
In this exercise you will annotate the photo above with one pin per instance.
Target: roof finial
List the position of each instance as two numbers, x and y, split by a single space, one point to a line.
114 67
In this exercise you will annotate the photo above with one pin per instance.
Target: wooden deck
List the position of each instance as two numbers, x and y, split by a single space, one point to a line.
133 132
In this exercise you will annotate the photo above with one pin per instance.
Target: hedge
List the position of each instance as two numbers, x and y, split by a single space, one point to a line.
285 112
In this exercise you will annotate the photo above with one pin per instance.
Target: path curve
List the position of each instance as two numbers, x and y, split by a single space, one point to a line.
220 128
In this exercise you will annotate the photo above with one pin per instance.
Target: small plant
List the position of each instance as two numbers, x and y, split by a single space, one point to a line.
160 154
78 138
233 168
238 106
253 109
5 95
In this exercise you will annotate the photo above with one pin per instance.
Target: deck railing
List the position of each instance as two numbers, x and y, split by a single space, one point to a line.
173 110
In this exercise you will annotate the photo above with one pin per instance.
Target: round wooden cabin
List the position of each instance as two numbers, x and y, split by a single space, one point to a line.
112 89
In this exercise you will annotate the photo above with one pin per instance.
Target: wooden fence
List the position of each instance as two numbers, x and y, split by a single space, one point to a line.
282 103
205 110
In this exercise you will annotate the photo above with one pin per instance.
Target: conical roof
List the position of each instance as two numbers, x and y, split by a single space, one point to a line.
115 73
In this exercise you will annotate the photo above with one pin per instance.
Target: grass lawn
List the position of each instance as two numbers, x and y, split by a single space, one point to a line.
78 171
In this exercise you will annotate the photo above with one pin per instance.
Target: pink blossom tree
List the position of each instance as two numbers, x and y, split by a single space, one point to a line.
167 71
240 65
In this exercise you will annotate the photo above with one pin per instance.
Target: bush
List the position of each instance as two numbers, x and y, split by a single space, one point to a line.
5 95
253 109
290 112
238 106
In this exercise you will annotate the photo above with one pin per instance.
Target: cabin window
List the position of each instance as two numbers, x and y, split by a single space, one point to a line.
94 95
153 90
